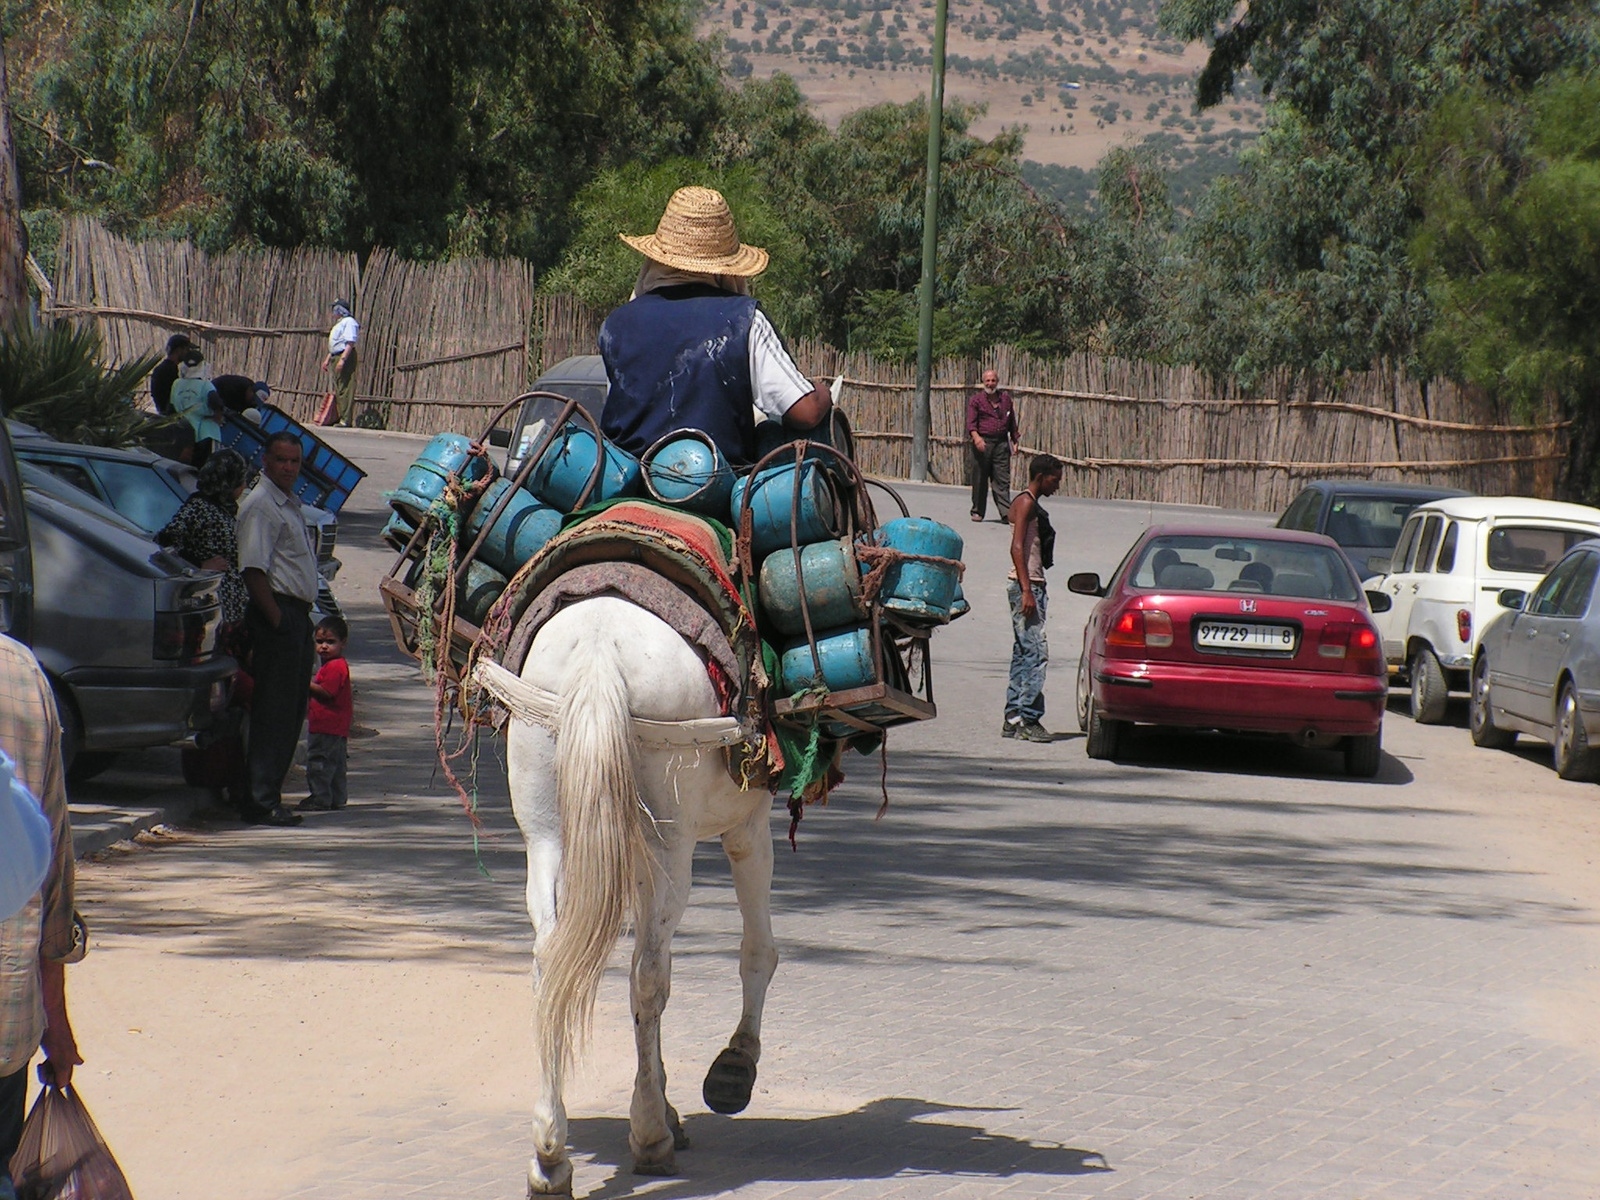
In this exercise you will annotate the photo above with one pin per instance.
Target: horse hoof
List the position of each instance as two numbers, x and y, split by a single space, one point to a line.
680 1139
729 1082
550 1178
660 1166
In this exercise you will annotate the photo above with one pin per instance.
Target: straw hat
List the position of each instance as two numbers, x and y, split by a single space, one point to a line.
696 233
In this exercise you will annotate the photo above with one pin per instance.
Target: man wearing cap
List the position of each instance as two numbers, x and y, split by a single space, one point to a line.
240 393
37 942
166 372
341 360
692 349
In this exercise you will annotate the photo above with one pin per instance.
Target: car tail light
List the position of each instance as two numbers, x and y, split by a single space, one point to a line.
1157 628
1140 627
1464 625
185 636
1355 642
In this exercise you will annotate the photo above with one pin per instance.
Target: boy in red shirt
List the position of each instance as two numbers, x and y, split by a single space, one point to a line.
328 719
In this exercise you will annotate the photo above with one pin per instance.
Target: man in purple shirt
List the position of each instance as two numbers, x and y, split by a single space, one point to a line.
992 435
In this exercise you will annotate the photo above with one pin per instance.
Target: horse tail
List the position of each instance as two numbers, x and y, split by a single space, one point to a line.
602 848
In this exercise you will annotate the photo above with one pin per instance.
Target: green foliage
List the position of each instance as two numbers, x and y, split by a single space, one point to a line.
1510 240
431 126
55 378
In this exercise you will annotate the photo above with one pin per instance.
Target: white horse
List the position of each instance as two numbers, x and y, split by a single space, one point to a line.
611 823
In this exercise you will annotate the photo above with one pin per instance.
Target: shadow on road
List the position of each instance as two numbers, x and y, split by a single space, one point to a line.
879 1140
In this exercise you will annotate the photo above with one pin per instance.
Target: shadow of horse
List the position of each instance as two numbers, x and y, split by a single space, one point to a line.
882 1139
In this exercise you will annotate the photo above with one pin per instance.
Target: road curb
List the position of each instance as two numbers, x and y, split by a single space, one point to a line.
97 827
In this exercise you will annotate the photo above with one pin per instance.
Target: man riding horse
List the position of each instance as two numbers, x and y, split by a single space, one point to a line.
692 349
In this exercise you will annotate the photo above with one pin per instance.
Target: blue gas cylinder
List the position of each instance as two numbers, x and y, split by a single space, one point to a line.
426 477
563 470
846 656
397 530
920 590
479 589
686 469
959 606
772 501
521 531
832 581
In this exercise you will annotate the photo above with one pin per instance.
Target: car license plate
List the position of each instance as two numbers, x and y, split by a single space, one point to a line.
1232 635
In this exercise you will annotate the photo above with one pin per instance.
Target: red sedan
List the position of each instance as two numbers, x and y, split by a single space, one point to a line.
1259 632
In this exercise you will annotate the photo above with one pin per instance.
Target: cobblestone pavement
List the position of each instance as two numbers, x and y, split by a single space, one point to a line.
1215 970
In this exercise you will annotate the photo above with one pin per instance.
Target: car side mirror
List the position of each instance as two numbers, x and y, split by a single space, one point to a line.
1379 601
1085 583
1512 598
499 436
1378 564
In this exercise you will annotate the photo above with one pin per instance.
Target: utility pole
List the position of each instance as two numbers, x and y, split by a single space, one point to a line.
922 416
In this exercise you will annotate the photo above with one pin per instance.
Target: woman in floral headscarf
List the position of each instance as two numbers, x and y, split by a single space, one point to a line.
202 531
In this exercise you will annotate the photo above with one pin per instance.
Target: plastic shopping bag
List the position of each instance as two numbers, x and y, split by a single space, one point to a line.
62 1155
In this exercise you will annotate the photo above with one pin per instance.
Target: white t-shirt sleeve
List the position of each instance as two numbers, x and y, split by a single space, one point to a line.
775 381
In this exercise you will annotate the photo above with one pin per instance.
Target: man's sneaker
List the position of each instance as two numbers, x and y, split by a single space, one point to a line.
1009 728
1032 731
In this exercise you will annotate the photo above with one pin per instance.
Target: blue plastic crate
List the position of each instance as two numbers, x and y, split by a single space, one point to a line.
326 477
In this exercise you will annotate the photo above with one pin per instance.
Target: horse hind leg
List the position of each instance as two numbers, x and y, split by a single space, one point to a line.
655 1130
732 1077
532 754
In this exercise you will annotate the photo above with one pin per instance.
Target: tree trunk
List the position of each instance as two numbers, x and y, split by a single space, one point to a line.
13 275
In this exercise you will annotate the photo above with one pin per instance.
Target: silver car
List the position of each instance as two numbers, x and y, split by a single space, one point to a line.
1537 669
125 630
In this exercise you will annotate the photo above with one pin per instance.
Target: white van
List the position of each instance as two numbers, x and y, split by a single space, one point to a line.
1453 558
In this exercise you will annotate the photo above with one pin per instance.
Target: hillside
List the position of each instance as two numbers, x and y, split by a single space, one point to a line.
1082 77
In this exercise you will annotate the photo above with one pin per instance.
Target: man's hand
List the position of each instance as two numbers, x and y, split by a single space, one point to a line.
1030 606
979 443
60 1047
325 363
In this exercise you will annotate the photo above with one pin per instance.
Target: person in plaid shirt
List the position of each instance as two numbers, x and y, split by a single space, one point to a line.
38 942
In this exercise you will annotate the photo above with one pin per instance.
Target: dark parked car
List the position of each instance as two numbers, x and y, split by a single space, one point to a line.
581 377
1365 519
147 489
1259 632
1537 669
125 630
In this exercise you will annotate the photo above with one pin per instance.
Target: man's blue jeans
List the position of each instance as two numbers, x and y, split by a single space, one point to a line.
1030 654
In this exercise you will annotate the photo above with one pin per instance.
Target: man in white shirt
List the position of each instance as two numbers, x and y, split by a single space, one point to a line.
280 573
341 360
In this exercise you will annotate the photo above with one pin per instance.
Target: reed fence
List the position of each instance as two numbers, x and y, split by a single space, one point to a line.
443 344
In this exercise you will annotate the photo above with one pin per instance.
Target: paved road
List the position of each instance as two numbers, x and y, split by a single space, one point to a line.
1213 971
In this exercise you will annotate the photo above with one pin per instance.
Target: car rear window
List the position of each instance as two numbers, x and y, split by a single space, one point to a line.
138 493
1243 565
1531 549
1368 520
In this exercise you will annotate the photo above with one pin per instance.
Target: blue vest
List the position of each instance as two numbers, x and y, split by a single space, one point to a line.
679 358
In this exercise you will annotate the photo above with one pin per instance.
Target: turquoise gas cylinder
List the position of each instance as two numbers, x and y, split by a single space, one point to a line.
920 590
832 587
959 606
772 500
479 589
521 531
563 470
426 477
397 530
687 470
846 656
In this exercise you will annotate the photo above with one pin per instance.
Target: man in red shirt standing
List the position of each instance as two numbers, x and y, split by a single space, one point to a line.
992 435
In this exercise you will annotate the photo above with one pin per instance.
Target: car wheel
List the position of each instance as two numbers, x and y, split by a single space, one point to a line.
1105 734
1083 692
1429 692
1573 760
1363 755
1480 714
